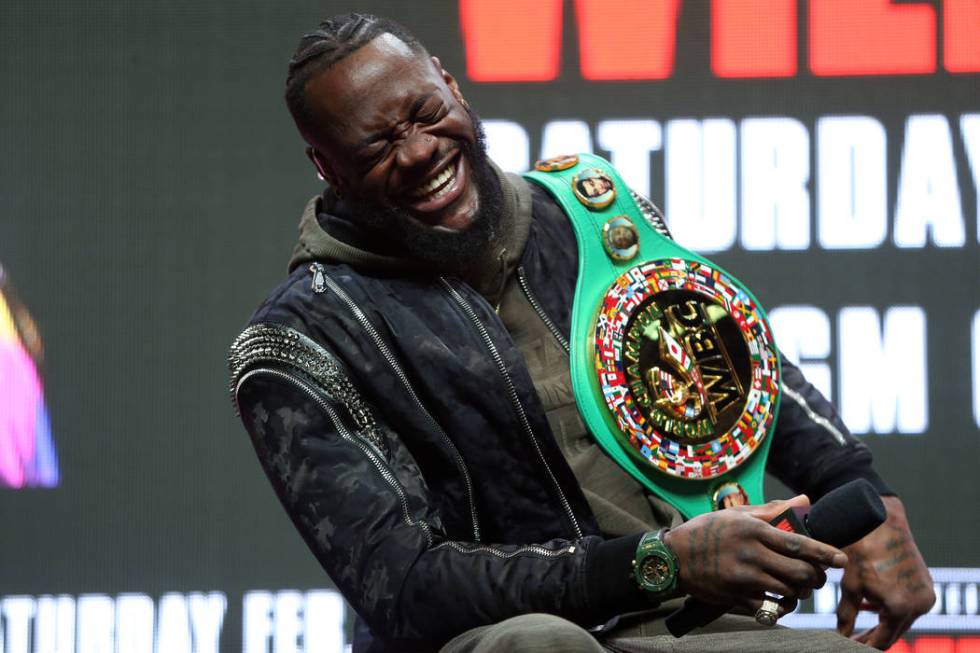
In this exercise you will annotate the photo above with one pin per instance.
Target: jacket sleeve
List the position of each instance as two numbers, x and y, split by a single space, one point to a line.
812 451
360 501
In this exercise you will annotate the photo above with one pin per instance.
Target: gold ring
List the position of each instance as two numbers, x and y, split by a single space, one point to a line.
768 613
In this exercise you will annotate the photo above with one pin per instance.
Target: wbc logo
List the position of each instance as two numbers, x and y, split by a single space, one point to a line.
680 350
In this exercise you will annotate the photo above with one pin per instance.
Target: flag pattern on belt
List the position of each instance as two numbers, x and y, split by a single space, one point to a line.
633 290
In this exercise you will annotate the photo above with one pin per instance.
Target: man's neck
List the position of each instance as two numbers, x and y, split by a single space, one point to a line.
490 272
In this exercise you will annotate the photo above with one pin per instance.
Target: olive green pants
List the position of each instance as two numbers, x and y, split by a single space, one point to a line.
644 633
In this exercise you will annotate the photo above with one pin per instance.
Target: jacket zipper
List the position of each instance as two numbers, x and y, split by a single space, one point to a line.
528 548
515 401
357 441
522 280
321 280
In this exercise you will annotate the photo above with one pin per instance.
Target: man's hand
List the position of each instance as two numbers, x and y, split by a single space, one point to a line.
885 573
732 557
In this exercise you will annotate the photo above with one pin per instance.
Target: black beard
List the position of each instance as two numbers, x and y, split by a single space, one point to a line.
448 250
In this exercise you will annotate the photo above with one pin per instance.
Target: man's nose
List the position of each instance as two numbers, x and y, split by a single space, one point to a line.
417 149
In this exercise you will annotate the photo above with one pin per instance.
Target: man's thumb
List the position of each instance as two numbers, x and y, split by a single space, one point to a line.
769 511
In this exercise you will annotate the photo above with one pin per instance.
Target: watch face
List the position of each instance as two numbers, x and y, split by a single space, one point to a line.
655 571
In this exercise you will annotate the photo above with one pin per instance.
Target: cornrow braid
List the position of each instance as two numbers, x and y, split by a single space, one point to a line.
332 41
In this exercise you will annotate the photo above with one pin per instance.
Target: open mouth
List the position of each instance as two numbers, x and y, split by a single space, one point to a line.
437 186
440 190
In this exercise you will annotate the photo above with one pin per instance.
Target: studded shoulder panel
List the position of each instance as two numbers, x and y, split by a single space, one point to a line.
289 349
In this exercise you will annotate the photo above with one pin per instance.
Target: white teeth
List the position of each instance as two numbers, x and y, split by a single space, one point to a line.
440 179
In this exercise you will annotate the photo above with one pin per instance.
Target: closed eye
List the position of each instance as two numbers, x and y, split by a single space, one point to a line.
428 109
374 155
433 114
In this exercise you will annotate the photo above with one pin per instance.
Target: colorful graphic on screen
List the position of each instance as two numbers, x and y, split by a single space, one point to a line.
27 453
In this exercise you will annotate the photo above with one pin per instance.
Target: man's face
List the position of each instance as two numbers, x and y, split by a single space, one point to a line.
621 237
595 187
391 132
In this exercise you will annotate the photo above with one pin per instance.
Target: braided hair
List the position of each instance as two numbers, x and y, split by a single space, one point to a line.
332 41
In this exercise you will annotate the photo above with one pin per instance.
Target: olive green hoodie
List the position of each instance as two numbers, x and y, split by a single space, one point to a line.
326 235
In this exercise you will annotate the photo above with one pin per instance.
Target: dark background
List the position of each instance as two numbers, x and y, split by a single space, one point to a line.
150 185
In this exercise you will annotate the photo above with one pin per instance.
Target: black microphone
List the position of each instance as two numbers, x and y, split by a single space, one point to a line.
840 518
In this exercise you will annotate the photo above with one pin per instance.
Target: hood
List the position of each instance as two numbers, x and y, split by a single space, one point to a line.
326 235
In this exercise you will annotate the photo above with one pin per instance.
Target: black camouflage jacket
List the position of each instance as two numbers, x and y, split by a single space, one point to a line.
400 429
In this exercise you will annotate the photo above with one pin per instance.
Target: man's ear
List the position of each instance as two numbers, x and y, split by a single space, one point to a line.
323 170
450 81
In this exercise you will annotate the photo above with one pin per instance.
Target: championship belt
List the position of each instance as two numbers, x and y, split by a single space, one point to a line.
673 364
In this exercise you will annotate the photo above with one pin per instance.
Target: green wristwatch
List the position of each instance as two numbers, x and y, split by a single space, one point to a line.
655 566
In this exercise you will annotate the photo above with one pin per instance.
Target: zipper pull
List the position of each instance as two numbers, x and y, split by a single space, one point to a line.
319 277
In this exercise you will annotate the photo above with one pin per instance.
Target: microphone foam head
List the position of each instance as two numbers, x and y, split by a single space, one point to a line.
847 514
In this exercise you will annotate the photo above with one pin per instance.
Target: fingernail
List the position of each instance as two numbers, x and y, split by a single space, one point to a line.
840 560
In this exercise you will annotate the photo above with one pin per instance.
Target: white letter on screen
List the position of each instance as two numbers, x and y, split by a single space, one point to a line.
287 623
775 171
629 143
883 369
96 630
54 626
18 612
174 628
970 128
928 195
257 622
323 622
825 599
803 336
700 197
207 615
852 186
134 623
507 144
975 344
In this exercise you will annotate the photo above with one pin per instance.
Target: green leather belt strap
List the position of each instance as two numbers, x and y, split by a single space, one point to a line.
656 464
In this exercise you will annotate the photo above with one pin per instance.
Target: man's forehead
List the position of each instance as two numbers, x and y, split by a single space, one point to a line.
376 79
379 59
